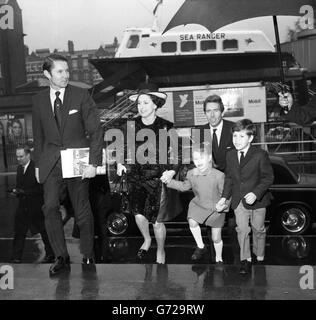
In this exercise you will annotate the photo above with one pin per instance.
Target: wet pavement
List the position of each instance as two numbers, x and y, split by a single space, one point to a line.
157 282
125 277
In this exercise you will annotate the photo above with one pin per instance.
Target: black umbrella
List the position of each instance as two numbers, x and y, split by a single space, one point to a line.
214 14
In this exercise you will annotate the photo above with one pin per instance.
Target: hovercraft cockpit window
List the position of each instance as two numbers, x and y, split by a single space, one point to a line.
133 41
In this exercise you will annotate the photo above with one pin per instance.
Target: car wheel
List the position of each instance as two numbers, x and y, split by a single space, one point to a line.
121 222
293 219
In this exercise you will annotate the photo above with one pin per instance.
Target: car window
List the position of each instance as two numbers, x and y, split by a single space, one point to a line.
282 175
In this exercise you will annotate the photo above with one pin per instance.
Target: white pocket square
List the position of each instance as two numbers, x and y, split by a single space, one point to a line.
73 111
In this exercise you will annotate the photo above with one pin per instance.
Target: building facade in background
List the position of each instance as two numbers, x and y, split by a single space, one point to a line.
78 60
21 77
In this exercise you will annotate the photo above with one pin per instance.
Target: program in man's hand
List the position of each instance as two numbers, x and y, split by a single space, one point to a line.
73 162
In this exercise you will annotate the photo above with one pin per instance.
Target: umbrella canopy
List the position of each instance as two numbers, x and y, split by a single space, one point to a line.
214 14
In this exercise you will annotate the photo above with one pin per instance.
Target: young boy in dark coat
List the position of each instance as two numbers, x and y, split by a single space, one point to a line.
248 176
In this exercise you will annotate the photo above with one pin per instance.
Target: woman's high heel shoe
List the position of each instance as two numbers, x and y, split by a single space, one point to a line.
142 253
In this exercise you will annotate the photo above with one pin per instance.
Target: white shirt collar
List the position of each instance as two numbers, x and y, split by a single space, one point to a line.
52 94
219 129
244 151
25 166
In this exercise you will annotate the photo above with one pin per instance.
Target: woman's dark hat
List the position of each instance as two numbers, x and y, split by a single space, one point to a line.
148 88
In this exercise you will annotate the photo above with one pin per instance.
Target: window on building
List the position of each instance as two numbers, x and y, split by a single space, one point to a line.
86 76
169 46
230 45
28 68
133 41
0 71
188 46
74 64
75 76
85 63
208 45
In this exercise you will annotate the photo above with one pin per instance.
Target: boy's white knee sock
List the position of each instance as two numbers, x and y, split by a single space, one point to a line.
218 250
196 232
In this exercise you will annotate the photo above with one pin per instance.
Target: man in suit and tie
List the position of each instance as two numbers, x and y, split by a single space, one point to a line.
65 117
248 176
29 215
220 130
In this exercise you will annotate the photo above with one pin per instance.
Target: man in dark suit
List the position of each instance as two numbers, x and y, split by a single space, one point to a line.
248 177
301 115
29 213
65 117
220 130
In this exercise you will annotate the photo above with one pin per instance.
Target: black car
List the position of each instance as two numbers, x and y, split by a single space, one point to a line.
294 199
292 210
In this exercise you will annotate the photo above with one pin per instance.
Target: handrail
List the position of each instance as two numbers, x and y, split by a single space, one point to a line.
116 105
119 108
282 142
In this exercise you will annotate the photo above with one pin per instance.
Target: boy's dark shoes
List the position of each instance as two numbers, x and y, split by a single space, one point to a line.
198 253
245 267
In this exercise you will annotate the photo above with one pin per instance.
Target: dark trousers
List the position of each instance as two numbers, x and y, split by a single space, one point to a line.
78 190
101 205
19 241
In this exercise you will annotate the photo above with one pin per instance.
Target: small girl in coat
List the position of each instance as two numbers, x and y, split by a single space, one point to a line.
207 185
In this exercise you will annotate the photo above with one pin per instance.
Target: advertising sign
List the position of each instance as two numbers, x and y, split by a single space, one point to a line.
184 105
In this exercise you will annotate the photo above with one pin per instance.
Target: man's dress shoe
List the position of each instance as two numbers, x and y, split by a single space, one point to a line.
16 260
61 264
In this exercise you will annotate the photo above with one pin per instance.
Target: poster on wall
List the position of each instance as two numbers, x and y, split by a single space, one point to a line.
12 127
184 105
